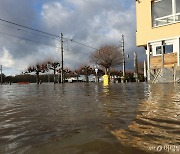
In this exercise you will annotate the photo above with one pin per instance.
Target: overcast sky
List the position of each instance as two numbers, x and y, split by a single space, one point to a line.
91 22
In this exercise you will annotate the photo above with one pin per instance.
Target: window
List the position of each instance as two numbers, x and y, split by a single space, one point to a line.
170 46
177 10
167 49
165 12
158 50
162 8
177 6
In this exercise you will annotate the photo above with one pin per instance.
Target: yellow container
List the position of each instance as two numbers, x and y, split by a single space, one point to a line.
106 80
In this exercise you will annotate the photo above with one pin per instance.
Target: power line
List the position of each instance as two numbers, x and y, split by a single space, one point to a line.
44 43
80 52
40 31
29 28
83 44
36 42
39 42
25 31
27 39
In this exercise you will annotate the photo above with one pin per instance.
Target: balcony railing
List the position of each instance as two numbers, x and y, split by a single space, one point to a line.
170 19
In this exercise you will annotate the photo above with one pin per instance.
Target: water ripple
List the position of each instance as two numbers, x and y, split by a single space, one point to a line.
57 116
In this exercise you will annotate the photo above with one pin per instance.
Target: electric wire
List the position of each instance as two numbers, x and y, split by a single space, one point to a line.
28 39
25 31
43 32
47 33
40 31
38 42
45 43
83 44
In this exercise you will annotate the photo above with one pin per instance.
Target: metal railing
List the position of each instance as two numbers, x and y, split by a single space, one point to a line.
166 20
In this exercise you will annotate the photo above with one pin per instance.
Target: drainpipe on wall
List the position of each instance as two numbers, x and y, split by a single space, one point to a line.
148 61
145 71
178 58
162 51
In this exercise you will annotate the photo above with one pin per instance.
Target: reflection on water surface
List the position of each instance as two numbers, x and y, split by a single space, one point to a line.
157 123
89 118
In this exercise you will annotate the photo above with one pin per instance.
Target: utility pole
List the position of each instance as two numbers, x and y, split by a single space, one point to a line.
123 56
145 71
1 75
135 67
62 60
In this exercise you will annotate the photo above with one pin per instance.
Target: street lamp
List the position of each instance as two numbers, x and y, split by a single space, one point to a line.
96 71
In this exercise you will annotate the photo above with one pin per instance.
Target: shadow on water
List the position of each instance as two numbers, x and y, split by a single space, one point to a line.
88 118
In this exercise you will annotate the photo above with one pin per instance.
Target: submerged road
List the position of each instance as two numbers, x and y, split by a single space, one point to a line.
77 118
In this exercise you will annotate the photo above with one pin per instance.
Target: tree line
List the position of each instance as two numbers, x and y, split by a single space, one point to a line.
107 58
32 78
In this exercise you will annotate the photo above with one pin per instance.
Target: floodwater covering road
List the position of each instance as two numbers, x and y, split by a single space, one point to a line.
78 118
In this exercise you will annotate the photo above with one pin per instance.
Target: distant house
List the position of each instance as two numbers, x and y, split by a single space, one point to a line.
81 78
158 31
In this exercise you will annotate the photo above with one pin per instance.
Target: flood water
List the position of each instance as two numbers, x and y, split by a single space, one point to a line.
78 118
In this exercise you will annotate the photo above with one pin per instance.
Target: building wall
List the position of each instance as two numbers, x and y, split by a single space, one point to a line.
145 31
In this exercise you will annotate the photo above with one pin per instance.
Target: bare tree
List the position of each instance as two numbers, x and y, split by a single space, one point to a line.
77 74
38 68
68 73
86 71
53 66
107 56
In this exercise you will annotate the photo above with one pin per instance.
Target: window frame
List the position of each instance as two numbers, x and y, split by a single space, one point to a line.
173 15
154 46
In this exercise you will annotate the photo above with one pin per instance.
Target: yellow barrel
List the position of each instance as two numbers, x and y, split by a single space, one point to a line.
106 80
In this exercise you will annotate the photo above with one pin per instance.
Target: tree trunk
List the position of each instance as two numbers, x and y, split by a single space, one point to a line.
107 71
54 75
37 77
77 78
87 79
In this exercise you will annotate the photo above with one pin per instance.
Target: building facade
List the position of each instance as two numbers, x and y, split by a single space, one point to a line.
158 30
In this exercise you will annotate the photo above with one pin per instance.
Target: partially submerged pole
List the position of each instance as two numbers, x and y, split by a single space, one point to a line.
135 67
123 57
62 60
1 75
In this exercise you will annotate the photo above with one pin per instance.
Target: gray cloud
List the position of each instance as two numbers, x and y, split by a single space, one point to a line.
90 22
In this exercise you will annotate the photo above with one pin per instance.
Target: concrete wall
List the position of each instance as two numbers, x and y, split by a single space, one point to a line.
167 75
